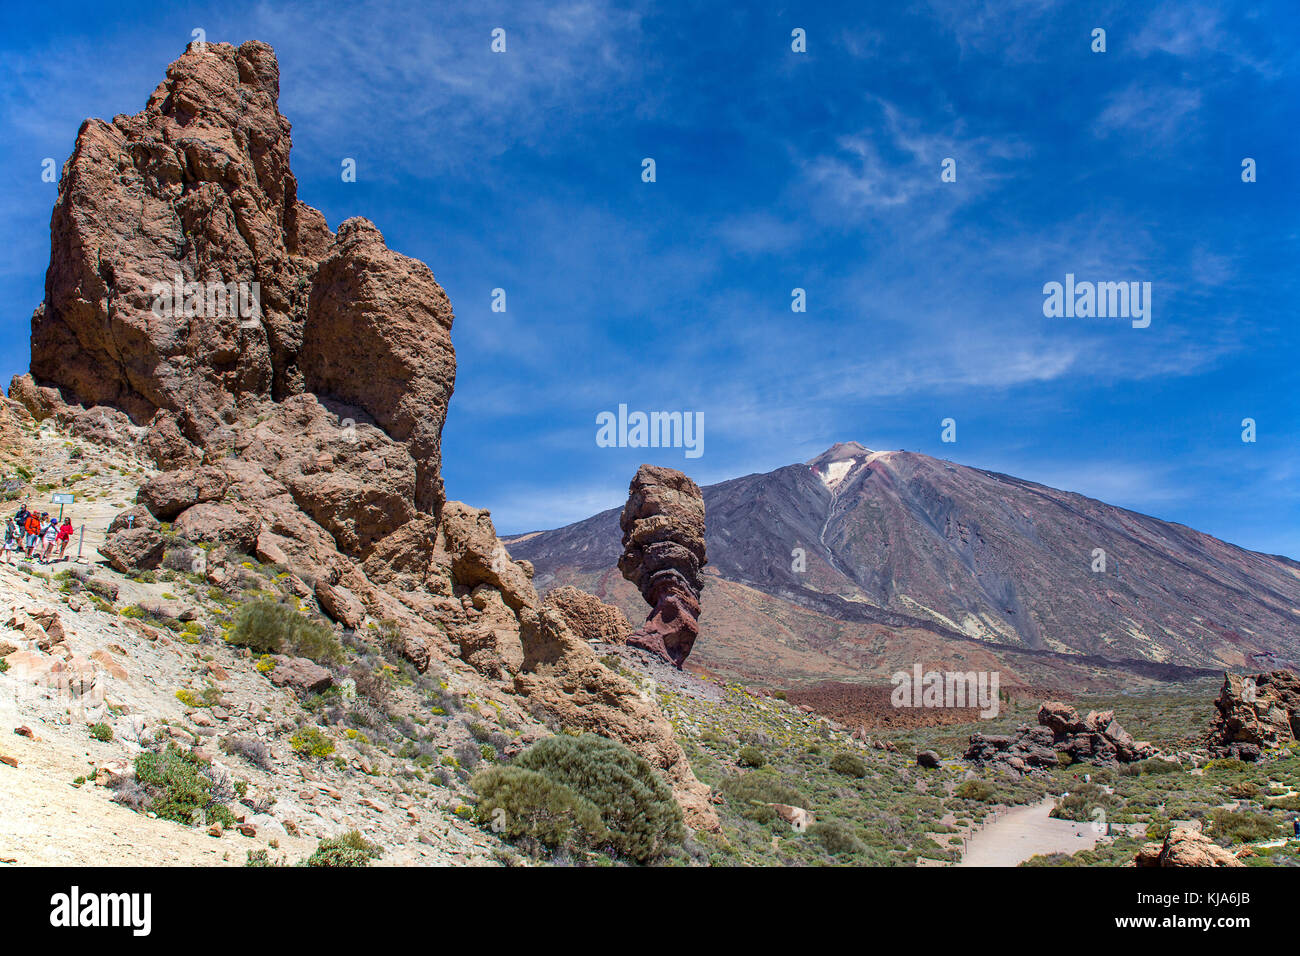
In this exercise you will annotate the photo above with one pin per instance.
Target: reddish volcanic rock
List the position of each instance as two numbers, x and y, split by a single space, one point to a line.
197 187
663 552
1259 712
589 617
1182 848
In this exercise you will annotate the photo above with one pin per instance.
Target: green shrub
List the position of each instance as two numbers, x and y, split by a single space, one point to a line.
350 849
1082 801
1148 766
635 804
1158 828
179 787
751 757
837 838
310 742
1229 764
101 732
267 627
850 765
1241 826
980 791
752 793
524 805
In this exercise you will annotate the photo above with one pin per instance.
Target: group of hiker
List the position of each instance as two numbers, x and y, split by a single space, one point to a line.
36 535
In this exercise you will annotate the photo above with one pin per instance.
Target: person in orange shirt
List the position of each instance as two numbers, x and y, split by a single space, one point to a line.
32 527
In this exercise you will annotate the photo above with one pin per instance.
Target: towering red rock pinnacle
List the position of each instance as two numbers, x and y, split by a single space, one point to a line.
663 552
188 283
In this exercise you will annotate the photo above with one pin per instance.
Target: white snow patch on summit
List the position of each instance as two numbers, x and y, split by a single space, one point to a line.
836 471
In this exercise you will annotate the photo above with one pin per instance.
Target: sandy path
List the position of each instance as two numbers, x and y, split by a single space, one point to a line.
1022 832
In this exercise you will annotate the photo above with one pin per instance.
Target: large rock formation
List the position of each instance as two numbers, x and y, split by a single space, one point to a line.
1061 734
663 553
309 433
1255 713
196 187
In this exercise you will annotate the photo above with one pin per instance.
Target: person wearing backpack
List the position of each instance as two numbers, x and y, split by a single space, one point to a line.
32 526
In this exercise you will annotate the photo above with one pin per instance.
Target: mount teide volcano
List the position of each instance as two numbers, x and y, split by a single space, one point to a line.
909 558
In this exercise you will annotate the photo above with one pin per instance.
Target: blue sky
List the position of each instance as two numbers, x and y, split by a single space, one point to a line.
778 170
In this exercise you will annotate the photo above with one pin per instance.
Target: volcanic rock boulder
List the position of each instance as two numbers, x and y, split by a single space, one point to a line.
134 549
663 552
1097 738
590 618
1184 847
1255 713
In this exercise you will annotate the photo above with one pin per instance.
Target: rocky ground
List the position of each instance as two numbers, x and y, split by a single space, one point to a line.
96 662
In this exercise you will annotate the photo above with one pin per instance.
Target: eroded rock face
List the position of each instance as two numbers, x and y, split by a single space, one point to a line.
134 549
663 552
1061 733
378 336
589 617
1255 713
196 186
168 494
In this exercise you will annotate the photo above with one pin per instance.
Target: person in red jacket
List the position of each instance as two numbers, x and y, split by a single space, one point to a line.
65 535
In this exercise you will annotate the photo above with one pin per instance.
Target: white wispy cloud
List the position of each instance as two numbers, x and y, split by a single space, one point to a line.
1161 112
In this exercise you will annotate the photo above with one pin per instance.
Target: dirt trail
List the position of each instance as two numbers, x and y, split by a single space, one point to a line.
1022 832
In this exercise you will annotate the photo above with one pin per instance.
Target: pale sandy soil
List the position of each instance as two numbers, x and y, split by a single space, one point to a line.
46 821
1022 832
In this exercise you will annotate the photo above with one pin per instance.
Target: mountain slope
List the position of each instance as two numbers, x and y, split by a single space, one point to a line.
909 543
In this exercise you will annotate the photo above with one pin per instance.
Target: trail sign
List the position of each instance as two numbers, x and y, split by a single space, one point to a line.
61 499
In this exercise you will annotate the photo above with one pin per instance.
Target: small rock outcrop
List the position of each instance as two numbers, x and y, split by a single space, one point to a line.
1097 738
590 618
663 554
1254 714
1185 847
